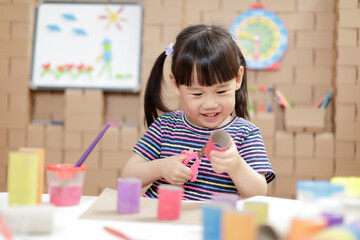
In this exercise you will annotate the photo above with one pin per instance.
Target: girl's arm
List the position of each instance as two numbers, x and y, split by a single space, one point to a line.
248 182
171 168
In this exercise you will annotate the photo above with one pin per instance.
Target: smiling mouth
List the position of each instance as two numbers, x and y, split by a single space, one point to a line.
210 114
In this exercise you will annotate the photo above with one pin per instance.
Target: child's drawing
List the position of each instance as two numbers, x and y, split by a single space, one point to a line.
75 47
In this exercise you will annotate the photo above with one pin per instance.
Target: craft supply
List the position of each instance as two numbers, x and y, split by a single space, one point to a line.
41 158
351 199
326 100
68 194
311 191
261 99
23 172
251 99
4 229
332 210
239 225
318 104
269 100
116 233
195 166
129 193
283 101
340 232
29 219
169 206
220 140
211 220
259 209
307 222
226 198
92 145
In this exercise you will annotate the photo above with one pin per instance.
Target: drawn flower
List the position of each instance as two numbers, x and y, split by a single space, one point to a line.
89 68
69 66
60 68
46 66
80 67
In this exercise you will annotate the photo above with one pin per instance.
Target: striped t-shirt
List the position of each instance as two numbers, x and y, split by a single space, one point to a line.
172 133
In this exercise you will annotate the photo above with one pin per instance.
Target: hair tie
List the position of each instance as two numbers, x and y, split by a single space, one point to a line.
169 49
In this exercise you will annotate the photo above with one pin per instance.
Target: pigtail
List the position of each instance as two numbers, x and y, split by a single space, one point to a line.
241 95
152 99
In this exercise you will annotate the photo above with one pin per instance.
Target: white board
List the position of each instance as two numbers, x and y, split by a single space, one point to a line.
87 45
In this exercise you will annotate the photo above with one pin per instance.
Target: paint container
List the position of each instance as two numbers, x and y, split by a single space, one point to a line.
351 200
311 191
29 219
239 225
260 210
212 219
129 193
65 183
332 210
340 232
307 222
229 199
220 140
169 206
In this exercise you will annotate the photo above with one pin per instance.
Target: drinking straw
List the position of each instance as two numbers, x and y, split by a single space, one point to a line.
326 101
4 229
91 147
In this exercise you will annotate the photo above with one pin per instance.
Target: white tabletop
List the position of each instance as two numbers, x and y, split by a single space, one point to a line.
67 224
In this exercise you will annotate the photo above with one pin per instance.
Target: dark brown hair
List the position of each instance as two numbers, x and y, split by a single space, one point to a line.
216 57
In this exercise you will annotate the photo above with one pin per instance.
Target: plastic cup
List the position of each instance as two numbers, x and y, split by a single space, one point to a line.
65 183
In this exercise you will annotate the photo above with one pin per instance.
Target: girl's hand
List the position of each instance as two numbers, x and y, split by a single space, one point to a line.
225 161
175 171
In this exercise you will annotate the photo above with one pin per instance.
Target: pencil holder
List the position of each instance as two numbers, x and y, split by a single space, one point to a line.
129 193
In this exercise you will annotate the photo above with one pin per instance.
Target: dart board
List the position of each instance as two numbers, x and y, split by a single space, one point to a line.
261 36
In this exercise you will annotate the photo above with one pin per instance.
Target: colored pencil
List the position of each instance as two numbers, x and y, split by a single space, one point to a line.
116 233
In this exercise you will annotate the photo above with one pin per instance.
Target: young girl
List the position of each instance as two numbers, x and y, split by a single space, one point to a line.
208 73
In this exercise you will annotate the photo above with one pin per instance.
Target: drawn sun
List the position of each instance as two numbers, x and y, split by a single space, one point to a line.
113 17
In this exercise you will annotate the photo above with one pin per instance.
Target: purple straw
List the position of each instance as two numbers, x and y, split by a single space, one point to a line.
91 147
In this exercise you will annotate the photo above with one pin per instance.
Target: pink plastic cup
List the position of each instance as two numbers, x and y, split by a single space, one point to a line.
65 184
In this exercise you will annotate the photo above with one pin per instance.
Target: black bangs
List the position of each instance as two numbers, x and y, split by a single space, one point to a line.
211 55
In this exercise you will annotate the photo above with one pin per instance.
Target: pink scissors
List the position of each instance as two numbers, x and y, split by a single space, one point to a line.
195 166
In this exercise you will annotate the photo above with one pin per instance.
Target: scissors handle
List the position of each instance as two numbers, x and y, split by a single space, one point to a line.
195 169
189 155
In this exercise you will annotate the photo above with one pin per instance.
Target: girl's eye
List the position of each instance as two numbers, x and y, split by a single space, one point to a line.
221 92
197 94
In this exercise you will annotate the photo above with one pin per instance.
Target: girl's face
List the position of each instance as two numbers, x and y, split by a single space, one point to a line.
209 107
